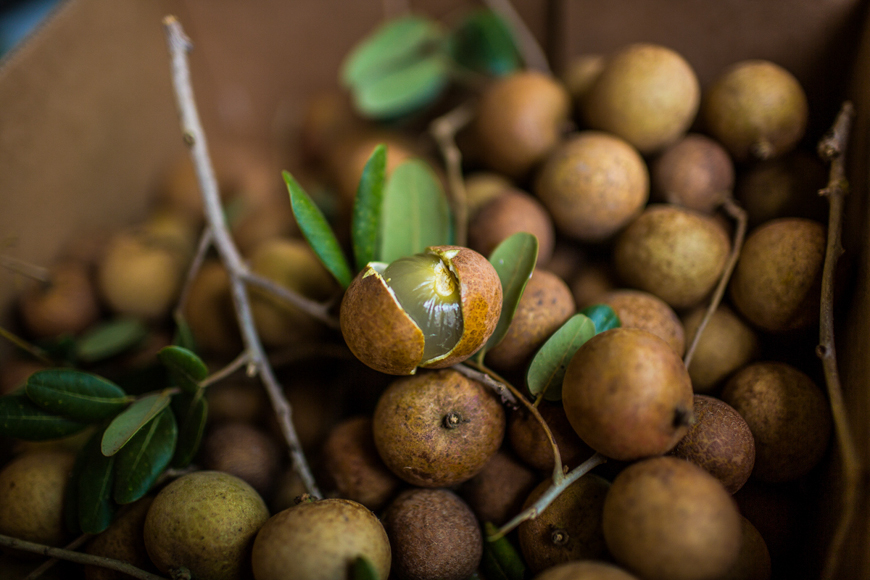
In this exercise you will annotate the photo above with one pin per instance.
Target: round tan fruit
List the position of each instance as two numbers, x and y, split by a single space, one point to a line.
67 303
639 309
695 172
512 211
585 570
726 345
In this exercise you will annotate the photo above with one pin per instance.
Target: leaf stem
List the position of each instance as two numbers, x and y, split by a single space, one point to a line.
318 310
832 149
229 369
533 54
444 130
29 348
194 137
78 557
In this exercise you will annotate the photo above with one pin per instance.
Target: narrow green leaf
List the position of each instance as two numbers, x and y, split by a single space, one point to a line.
415 211
501 561
183 334
124 426
484 43
362 569
110 338
95 506
514 259
317 232
389 46
191 412
21 418
186 369
76 395
367 206
602 316
143 459
547 369
404 90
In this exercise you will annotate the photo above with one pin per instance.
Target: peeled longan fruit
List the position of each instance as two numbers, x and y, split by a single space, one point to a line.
789 417
243 450
593 184
639 309
665 518
437 428
498 491
433 535
674 253
512 211
569 528
546 304
320 539
756 109
531 444
122 540
695 172
719 441
726 345
519 120
585 570
647 94
628 394
67 303
776 284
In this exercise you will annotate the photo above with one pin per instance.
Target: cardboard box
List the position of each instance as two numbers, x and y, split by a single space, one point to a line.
88 123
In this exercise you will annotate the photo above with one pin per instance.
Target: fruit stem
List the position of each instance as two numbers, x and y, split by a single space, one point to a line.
31 349
444 130
48 564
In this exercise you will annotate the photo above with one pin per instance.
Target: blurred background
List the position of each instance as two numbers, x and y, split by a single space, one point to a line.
19 17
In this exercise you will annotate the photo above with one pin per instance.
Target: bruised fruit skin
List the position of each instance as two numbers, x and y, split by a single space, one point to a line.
777 281
628 394
434 536
320 539
788 415
668 519
437 428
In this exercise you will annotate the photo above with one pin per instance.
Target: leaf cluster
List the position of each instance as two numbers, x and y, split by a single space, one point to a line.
133 439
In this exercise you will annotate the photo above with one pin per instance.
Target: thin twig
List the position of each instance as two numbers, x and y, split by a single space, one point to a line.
832 149
551 494
500 389
27 347
223 373
202 248
48 564
444 130
33 271
78 557
533 55
318 310
194 138
738 214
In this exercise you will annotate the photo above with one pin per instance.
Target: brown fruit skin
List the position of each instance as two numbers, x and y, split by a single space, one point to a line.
726 345
695 172
789 417
410 426
519 120
122 540
319 540
242 450
646 94
756 109
639 309
481 187
668 519
674 253
32 487
512 211
354 467
580 75
209 310
753 560
593 184
627 394
498 491
545 305
532 445
204 521
434 536
569 529
585 570
66 304
777 281
720 442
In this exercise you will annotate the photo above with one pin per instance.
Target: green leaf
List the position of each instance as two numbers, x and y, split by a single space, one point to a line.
191 412
362 569
110 338
143 459
602 316
501 561
547 369
183 334
404 90
124 426
21 418
95 506
514 260
388 47
484 43
317 232
367 209
76 395
415 212
186 369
